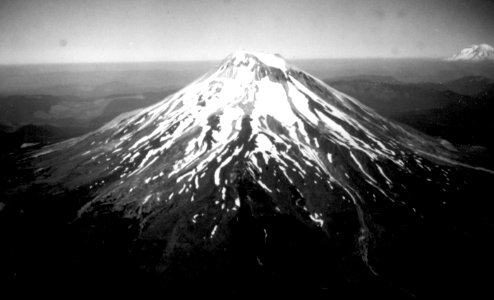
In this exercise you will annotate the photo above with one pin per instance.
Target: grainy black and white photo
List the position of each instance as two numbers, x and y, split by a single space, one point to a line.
338 149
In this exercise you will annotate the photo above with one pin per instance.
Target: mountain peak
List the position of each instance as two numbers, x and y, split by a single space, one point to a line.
246 66
272 60
486 47
479 52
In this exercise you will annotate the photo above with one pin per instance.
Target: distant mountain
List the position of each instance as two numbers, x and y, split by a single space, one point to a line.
488 93
475 53
467 122
469 85
255 176
458 111
366 78
394 97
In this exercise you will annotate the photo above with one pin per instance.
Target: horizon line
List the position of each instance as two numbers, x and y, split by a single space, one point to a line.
217 60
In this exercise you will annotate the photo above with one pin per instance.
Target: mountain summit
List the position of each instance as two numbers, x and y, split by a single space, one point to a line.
257 172
482 52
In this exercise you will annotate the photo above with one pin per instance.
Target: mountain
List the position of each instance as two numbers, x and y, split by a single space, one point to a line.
255 176
469 85
482 52
46 119
365 78
390 98
466 122
458 110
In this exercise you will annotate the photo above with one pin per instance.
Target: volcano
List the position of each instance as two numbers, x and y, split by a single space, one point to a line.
474 53
258 175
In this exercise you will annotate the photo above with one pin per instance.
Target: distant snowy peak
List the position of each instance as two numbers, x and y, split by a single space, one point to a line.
480 52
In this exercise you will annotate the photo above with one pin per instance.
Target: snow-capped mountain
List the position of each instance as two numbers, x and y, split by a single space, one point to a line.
256 141
482 52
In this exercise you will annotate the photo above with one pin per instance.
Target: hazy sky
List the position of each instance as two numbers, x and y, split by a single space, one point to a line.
39 31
